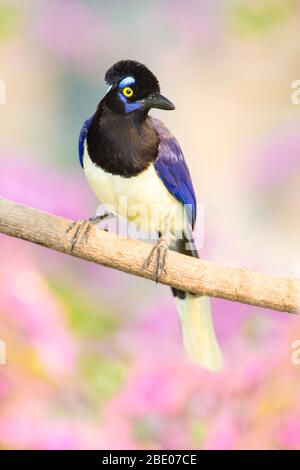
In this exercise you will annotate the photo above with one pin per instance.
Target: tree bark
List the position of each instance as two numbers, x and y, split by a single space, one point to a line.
183 272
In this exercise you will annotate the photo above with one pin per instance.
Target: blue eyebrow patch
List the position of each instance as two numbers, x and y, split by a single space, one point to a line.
126 82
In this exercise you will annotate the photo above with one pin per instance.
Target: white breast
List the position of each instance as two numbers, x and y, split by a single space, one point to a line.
143 199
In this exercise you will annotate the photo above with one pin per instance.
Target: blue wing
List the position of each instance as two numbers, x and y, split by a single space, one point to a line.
173 171
82 137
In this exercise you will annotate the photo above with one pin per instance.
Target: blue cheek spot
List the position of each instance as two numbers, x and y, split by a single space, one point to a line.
129 107
126 82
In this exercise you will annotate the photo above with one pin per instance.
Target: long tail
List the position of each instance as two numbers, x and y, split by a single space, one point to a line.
196 323
198 331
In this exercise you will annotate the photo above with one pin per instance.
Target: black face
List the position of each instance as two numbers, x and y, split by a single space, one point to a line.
134 88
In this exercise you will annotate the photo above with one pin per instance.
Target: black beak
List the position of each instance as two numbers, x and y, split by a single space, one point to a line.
158 101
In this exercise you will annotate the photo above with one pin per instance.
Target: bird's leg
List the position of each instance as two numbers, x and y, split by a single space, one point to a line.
159 252
83 227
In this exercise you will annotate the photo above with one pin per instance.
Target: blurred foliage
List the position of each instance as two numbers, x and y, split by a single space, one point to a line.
103 376
145 429
249 17
10 19
198 431
86 318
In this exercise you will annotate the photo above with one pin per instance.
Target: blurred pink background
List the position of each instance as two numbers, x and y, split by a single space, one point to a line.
94 356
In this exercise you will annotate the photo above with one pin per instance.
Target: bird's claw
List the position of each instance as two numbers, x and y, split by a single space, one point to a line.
159 252
82 229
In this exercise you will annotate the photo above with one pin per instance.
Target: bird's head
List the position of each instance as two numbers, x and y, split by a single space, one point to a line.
133 88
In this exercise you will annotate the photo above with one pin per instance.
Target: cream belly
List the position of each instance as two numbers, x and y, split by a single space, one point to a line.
142 199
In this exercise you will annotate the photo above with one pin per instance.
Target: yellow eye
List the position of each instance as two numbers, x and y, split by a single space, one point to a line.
127 92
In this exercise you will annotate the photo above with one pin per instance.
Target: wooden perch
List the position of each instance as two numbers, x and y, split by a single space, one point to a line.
183 272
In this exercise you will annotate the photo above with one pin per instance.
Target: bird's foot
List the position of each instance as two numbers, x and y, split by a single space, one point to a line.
83 227
159 253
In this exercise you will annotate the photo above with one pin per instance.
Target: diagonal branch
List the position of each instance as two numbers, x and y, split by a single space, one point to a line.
183 272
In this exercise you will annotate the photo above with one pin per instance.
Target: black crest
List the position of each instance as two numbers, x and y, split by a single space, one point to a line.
145 80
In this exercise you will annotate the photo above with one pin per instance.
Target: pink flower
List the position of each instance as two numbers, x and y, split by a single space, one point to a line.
289 432
223 434
35 313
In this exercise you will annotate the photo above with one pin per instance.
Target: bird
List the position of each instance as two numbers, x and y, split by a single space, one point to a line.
128 155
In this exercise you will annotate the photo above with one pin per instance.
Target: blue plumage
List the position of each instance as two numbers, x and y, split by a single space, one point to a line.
127 81
173 171
82 137
129 107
